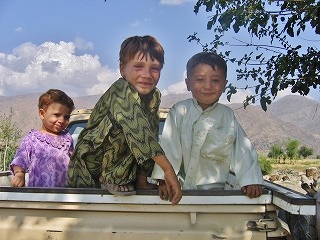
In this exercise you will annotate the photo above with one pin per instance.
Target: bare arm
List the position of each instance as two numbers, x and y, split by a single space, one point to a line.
172 184
18 179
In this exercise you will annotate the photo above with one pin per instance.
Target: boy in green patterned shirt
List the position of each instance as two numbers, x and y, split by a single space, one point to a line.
119 146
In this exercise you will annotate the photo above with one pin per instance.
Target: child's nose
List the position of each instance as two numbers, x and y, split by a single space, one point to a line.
62 119
147 72
208 85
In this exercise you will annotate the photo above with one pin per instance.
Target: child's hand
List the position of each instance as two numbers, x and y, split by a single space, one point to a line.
18 180
173 187
252 191
163 193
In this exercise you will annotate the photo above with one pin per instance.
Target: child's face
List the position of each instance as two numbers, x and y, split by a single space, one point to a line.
143 74
206 84
55 118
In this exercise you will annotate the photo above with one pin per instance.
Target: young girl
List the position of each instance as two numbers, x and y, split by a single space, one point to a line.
118 147
45 153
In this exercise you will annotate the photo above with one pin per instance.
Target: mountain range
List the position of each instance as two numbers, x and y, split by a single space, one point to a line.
291 117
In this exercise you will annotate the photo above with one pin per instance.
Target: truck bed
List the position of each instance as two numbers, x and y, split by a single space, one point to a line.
76 213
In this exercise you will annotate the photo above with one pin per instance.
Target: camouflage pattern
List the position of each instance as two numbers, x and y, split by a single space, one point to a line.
119 140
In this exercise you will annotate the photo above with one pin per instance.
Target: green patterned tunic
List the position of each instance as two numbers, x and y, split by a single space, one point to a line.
119 140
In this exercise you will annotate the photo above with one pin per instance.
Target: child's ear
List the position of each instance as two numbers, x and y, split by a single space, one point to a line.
225 85
41 113
121 66
186 80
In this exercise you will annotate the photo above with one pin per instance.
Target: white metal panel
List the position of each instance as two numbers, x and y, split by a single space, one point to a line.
143 199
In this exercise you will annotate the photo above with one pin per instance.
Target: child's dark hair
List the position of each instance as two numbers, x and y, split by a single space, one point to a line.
210 58
144 44
55 96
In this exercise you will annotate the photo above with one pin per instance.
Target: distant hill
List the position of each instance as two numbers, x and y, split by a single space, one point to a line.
298 110
167 101
292 117
266 129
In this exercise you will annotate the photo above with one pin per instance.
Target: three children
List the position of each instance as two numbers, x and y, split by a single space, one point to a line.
201 140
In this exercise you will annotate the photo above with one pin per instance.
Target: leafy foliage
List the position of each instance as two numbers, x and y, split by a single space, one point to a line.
292 149
266 166
305 151
276 152
275 66
6 158
9 134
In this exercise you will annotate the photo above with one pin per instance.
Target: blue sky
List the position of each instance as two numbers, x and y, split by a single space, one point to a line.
74 44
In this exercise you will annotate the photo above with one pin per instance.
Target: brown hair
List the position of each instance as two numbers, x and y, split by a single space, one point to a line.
55 96
143 44
210 58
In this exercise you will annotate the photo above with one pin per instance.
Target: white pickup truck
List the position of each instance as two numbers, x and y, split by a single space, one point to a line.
73 213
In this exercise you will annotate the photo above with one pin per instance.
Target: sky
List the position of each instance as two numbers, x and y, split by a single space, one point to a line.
73 45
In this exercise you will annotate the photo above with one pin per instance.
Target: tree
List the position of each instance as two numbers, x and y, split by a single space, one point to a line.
276 152
9 135
277 65
292 149
305 151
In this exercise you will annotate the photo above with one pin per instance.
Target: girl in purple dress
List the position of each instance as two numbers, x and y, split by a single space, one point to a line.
45 153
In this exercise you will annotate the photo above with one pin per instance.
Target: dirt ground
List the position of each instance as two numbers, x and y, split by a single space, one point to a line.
298 165
290 173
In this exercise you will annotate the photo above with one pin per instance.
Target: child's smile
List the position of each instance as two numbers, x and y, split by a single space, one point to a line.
206 84
142 73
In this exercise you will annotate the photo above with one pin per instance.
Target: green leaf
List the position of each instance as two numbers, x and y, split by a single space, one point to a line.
259 56
281 61
209 25
263 103
290 31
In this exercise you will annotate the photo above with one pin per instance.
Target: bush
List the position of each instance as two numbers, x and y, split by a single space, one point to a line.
9 157
305 151
265 165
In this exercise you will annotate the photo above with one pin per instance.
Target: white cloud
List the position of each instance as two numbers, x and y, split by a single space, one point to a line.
174 2
18 29
286 92
81 44
136 23
177 88
105 78
31 68
239 97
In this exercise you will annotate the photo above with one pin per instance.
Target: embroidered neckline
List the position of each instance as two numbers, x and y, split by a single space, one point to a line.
58 141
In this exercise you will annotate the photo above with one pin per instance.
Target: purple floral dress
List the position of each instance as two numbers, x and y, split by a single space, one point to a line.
45 157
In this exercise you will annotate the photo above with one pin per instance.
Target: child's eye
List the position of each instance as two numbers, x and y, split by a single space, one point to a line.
138 66
215 81
155 69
